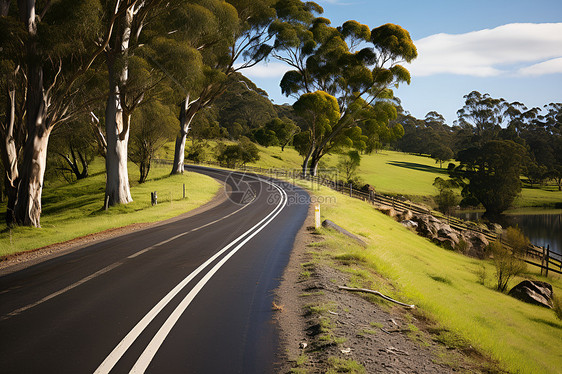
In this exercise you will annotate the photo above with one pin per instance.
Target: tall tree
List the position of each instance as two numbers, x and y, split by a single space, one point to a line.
321 111
328 59
492 173
57 43
128 78
232 36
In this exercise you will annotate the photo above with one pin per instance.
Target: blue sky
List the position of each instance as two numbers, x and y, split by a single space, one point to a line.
507 48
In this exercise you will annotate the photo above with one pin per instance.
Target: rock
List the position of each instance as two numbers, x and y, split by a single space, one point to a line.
476 243
448 236
388 210
426 225
533 292
409 224
406 215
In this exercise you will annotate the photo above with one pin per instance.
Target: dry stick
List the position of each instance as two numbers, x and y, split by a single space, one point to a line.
378 294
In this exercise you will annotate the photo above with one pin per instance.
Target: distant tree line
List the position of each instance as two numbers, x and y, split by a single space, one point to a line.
494 142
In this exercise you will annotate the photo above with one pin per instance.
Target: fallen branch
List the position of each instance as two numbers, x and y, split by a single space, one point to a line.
378 294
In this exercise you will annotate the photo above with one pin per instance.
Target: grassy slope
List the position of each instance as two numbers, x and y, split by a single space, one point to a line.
522 337
398 173
81 202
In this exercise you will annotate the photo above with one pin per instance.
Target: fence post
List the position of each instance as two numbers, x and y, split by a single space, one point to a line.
547 259
184 190
350 190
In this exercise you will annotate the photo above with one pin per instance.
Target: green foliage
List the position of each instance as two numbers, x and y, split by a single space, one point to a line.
154 125
446 199
348 165
322 60
507 264
241 153
492 171
441 153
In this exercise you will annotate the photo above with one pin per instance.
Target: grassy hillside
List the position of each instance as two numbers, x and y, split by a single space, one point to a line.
73 210
399 173
445 286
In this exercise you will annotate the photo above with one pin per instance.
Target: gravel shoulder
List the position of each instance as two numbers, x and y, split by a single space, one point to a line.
325 329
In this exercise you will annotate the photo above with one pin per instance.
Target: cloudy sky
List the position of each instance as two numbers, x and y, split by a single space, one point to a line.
507 48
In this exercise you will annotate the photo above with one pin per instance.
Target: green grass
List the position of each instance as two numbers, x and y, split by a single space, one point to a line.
399 173
74 210
445 285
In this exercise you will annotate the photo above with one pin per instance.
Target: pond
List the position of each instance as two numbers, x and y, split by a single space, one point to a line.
542 227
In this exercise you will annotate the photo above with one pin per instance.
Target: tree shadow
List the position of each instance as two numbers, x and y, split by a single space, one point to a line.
419 167
548 323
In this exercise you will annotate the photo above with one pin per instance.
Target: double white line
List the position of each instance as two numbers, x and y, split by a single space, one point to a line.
149 352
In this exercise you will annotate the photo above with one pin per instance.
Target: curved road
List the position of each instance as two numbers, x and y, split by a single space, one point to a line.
191 296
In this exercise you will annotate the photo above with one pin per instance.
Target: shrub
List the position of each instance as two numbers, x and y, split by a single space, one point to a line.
507 264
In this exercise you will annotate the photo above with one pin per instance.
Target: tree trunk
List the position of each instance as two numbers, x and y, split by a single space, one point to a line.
187 113
27 210
117 121
305 162
179 153
9 153
117 137
315 158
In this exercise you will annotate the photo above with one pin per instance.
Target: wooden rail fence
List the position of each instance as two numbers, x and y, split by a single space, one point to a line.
541 257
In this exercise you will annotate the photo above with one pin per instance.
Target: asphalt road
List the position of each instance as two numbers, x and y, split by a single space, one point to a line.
190 296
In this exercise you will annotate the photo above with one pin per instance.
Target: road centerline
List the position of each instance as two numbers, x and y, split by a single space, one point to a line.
111 360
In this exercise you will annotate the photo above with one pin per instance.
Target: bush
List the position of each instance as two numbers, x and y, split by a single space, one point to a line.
507 264
243 152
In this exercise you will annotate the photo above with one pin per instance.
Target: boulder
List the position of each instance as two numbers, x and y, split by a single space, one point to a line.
427 225
533 292
448 234
388 210
476 243
406 215
409 224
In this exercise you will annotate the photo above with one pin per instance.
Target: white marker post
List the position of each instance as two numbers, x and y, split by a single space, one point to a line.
317 223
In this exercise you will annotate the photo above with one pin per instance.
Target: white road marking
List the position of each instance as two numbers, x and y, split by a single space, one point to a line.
107 365
60 292
112 266
150 351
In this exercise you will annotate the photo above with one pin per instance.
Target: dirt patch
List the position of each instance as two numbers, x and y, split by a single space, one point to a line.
323 327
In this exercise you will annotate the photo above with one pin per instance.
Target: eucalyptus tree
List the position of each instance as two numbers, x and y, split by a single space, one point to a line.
321 111
355 65
47 48
130 76
231 36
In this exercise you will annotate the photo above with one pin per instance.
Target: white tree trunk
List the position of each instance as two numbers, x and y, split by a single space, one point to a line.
187 113
179 153
117 189
28 203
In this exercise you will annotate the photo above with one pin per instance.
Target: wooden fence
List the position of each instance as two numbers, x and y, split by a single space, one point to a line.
541 257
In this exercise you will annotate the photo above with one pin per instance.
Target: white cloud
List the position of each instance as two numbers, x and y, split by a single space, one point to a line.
547 67
492 52
269 70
